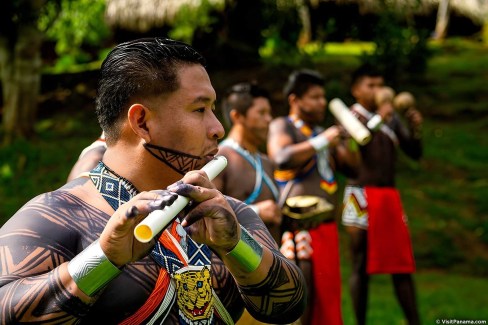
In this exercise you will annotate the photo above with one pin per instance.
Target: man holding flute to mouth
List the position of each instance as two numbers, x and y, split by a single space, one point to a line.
70 255
306 157
373 215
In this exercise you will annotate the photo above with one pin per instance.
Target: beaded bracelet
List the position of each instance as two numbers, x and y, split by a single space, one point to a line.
248 252
91 270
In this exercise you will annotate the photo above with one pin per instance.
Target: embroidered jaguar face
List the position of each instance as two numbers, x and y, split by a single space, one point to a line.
194 292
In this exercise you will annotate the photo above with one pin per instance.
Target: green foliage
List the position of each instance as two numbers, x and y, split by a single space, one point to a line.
28 168
401 51
75 27
281 36
276 52
190 18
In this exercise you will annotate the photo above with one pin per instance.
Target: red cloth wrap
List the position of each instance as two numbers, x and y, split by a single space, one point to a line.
326 275
389 246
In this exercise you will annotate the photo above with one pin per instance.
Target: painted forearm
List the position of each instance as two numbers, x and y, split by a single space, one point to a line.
294 155
266 279
275 291
47 298
280 295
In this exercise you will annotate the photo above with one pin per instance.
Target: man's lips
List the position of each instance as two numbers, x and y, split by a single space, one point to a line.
211 154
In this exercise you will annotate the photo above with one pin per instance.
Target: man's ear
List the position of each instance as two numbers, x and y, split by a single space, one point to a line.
292 98
235 116
137 116
355 91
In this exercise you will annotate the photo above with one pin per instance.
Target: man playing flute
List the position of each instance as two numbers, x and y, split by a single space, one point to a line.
307 156
70 255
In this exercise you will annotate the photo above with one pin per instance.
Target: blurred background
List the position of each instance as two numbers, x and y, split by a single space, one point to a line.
51 50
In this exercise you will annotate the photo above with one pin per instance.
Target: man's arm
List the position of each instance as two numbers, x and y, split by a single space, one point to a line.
285 153
34 247
275 292
347 156
409 135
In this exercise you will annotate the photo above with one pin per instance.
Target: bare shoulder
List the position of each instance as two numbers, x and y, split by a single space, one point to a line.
229 153
57 219
278 124
224 150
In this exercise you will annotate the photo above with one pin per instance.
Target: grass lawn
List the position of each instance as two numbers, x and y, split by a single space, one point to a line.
439 296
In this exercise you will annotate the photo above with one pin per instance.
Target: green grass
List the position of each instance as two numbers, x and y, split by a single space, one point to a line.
339 49
439 296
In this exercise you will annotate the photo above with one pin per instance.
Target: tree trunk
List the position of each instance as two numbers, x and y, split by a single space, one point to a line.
304 14
20 66
442 19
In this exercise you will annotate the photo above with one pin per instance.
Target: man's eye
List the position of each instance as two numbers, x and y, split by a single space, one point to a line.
200 110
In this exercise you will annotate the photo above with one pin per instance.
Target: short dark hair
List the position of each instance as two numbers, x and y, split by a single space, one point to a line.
365 70
240 97
140 68
300 81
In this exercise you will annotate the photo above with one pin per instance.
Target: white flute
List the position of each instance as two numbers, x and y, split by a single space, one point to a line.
352 125
160 219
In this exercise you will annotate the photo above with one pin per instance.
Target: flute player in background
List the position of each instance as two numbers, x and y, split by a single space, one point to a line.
373 214
307 157
249 174
70 255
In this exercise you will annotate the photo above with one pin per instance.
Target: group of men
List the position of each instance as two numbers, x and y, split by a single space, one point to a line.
261 237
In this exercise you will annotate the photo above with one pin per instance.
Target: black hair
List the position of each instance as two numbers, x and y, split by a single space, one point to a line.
240 97
140 68
300 81
365 70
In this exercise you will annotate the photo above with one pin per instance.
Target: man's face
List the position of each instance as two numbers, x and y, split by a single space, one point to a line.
185 119
312 105
257 119
364 91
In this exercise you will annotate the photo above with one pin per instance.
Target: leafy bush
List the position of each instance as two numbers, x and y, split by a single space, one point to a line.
401 51
192 18
77 28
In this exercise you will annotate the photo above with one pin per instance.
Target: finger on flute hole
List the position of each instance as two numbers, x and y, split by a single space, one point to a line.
183 189
132 212
174 185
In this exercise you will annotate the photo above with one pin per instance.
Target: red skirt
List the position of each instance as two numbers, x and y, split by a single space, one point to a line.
389 246
326 299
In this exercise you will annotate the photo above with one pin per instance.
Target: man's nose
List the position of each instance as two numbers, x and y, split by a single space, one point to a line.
216 130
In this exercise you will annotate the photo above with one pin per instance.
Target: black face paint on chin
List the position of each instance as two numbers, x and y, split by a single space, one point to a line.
178 161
